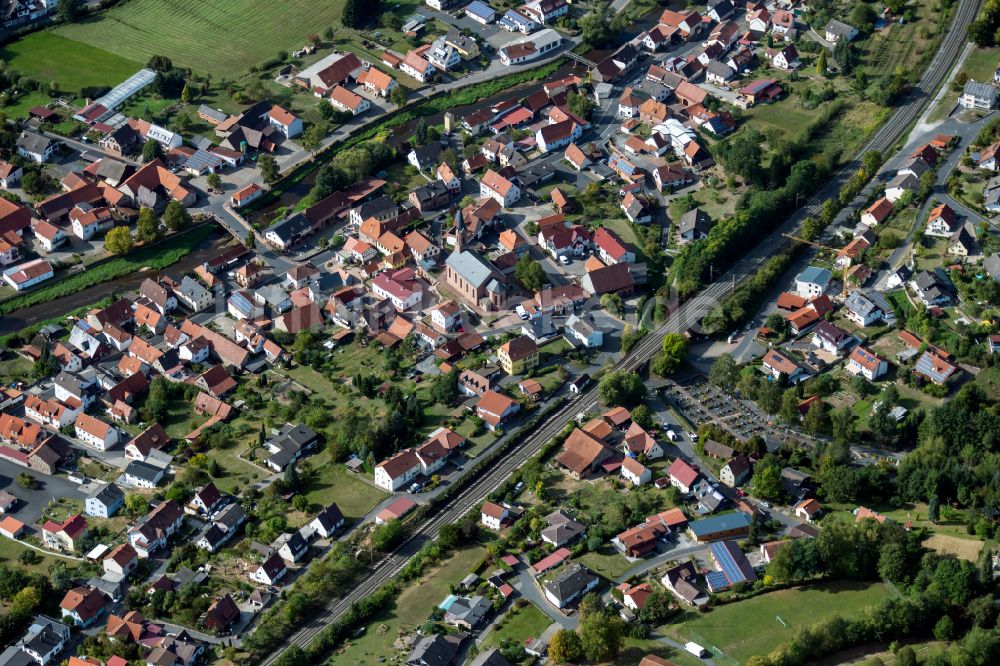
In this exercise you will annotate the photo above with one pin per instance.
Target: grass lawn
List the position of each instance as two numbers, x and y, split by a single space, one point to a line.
219 37
181 419
312 380
46 56
607 562
634 649
62 508
14 369
750 627
10 549
236 472
333 483
624 229
518 625
980 63
412 608
19 109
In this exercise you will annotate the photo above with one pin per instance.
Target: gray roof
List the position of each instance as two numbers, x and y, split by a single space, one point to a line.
471 267
202 160
34 143
981 91
859 303
436 650
427 155
231 516
903 180
215 114
378 208
580 326
916 165
814 275
144 471
490 657
289 227
838 28
695 219
192 289
109 495
112 169
719 69
471 610
571 582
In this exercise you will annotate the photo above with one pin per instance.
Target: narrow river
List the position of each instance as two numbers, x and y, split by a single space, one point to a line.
17 320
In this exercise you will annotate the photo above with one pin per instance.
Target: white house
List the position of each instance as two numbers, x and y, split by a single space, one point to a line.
866 363
90 221
498 188
977 95
344 100
10 174
35 147
164 137
395 472
836 30
105 502
531 47
557 135
582 332
95 433
443 55
287 123
493 515
270 570
417 67
635 472
813 281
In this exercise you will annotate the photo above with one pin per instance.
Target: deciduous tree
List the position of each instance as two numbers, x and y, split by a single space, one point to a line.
118 240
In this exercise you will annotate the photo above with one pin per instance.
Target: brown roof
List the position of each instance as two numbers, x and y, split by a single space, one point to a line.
581 451
520 347
85 601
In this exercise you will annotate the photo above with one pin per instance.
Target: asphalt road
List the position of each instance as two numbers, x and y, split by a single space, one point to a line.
34 500
686 316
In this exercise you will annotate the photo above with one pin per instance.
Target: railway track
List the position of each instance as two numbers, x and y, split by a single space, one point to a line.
683 318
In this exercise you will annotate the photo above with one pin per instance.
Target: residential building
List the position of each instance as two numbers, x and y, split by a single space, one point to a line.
975 95
193 296
519 355
837 30
83 605
572 584
813 281
65 536
735 471
105 502
495 409
500 189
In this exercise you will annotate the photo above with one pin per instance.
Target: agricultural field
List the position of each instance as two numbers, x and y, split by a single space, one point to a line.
751 627
46 56
218 37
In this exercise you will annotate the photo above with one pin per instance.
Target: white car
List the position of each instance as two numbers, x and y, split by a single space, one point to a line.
564 260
